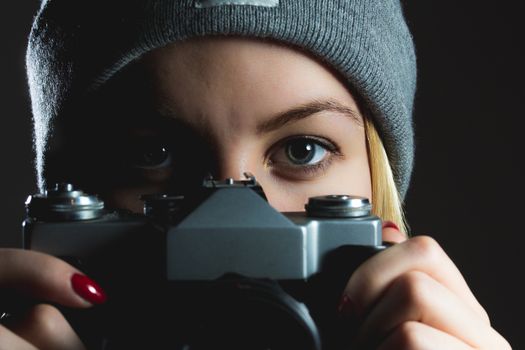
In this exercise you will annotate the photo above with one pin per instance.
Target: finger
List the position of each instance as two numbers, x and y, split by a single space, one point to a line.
418 336
391 233
46 328
416 296
420 253
45 277
11 341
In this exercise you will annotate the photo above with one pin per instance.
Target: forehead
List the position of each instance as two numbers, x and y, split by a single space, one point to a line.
234 59
232 74
218 81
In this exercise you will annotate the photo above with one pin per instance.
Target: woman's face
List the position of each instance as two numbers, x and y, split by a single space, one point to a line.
227 106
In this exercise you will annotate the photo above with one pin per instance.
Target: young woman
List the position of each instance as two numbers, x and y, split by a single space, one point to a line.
312 97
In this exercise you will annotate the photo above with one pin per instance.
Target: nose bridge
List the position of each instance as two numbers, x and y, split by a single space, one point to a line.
230 164
232 161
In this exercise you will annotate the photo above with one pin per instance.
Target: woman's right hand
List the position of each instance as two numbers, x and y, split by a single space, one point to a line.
42 277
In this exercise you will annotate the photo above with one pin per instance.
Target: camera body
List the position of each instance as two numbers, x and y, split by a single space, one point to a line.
216 268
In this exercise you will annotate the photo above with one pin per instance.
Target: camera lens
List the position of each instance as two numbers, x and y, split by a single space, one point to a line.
252 314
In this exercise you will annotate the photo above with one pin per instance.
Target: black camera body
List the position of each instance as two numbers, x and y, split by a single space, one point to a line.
219 268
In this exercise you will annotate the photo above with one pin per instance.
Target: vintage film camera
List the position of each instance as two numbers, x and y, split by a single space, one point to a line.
216 269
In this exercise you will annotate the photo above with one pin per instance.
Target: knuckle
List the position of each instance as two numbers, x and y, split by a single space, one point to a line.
46 321
408 336
413 288
484 314
506 345
426 247
499 342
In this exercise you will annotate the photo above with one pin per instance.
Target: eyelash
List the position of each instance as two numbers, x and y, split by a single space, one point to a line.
285 169
309 170
142 150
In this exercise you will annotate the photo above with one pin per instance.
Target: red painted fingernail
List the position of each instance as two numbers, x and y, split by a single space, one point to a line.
390 224
88 289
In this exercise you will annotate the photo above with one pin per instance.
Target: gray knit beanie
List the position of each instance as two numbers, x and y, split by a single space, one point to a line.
76 46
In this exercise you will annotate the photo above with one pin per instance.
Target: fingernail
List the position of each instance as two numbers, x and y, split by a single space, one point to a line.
390 224
88 289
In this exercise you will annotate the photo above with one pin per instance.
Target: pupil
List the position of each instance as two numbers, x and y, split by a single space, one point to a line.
155 156
301 151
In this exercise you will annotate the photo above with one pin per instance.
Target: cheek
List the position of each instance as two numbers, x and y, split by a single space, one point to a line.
348 177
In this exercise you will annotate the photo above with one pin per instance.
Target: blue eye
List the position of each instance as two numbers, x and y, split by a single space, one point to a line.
304 151
300 157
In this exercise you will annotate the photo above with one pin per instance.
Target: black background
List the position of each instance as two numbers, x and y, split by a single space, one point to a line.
467 189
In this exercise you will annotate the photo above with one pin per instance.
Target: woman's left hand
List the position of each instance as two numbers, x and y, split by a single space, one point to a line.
412 297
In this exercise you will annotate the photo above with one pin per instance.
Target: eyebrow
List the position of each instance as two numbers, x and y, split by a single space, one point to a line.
307 110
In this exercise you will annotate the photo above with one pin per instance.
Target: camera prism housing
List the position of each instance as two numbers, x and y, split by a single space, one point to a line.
223 266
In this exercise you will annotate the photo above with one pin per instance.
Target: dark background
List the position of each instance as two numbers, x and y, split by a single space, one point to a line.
467 189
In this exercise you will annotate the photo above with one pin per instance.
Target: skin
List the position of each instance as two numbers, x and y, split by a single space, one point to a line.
411 296
236 108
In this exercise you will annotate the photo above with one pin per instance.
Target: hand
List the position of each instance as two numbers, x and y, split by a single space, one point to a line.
42 277
412 297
